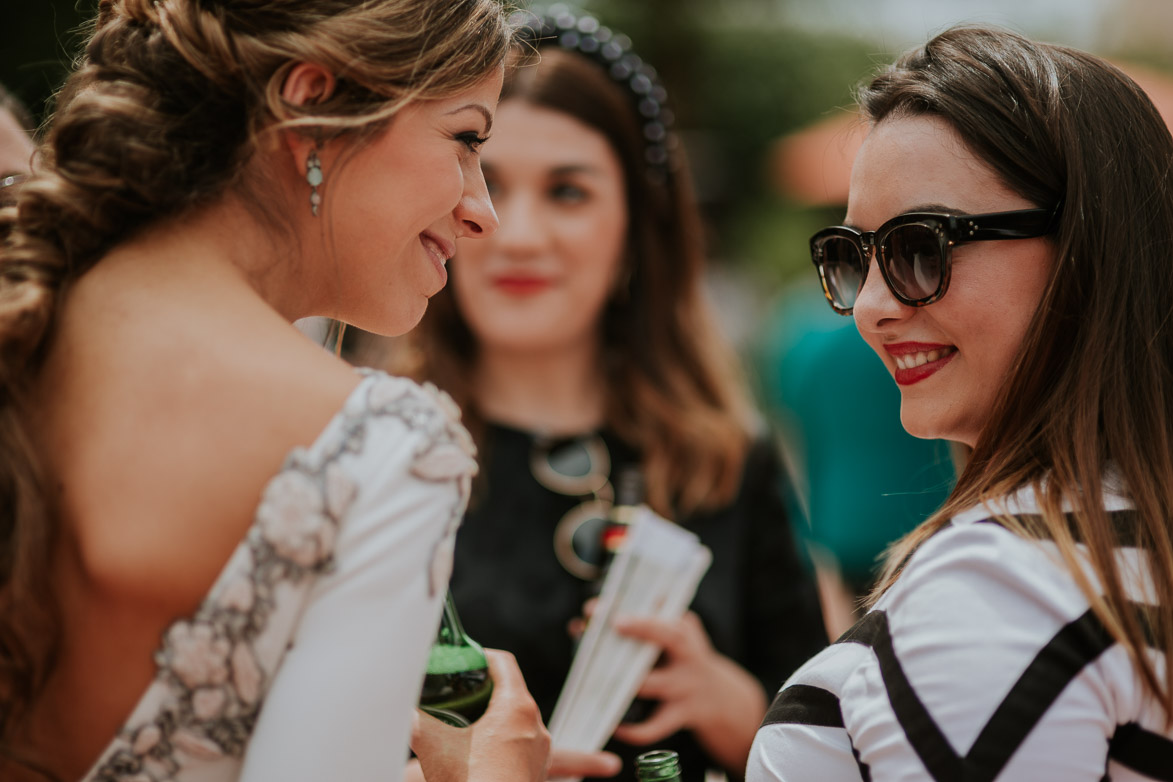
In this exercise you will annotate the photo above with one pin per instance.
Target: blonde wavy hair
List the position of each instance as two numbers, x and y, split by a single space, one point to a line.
163 111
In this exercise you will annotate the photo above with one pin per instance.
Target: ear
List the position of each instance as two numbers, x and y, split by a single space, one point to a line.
307 84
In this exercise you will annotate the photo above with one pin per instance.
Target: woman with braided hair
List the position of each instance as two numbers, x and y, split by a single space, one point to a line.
222 552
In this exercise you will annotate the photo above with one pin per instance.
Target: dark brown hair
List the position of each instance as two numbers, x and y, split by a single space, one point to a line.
672 388
161 115
1090 395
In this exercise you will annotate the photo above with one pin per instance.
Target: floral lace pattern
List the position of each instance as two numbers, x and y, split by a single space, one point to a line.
215 666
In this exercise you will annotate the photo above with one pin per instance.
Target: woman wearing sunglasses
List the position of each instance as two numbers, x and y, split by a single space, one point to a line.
579 348
1007 254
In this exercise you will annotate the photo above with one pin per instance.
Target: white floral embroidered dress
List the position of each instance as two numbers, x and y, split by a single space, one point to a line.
324 614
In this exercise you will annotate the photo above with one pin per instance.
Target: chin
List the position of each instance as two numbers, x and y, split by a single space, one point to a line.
922 426
397 325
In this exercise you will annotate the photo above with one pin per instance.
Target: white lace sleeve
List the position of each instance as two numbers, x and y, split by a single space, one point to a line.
340 705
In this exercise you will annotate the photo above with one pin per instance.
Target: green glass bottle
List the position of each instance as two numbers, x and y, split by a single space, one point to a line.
659 765
457 685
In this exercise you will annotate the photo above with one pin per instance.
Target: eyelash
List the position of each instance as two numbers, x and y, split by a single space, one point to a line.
472 140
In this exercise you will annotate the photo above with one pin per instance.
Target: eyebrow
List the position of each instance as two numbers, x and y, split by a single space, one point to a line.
940 208
477 107
569 169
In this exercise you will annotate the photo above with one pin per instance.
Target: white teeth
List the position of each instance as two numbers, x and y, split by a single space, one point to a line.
912 360
434 248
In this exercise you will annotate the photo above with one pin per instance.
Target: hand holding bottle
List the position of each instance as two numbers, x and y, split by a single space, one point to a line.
698 688
508 744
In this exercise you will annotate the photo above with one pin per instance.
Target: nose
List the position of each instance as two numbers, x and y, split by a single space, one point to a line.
475 215
524 230
875 306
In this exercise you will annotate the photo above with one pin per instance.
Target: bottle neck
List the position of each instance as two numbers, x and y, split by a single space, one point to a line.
658 766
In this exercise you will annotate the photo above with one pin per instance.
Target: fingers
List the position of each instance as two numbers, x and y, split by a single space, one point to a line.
663 723
503 668
577 626
442 749
509 742
427 731
660 684
511 703
568 763
673 636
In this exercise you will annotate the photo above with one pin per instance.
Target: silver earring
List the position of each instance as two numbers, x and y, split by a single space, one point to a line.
313 175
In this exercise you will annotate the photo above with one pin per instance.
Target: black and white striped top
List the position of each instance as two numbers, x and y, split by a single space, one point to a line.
983 662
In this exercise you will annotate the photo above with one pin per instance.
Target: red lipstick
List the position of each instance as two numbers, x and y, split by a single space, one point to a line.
521 284
916 361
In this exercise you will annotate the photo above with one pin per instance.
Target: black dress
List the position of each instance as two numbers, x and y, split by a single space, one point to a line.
758 600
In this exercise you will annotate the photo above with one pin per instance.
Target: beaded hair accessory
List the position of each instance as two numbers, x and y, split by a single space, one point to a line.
583 34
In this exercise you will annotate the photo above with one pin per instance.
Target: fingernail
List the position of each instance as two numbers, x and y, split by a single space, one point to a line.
614 764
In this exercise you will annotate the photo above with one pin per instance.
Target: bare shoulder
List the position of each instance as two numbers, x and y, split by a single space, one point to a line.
161 424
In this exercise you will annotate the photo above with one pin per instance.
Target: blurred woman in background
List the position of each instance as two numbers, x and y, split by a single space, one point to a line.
579 345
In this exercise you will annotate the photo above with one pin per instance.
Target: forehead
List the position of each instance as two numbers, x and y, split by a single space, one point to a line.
914 162
479 97
540 138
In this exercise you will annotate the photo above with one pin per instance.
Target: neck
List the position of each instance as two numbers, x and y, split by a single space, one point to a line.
557 392
229 238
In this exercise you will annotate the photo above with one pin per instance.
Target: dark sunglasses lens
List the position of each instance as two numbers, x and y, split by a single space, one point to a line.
587 540
912 255
570 459
578 539
842 270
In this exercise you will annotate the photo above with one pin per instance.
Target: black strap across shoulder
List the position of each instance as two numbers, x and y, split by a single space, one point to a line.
1056 664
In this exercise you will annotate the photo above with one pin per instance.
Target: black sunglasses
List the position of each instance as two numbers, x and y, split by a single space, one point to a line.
577 467
913 251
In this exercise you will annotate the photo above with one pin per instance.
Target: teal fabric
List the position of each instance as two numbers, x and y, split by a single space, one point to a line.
867 480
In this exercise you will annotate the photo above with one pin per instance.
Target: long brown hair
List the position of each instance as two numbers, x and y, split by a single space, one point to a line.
671 385
1090 394
162 115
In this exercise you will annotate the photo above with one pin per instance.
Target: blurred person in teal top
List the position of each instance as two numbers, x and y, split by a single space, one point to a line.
861 481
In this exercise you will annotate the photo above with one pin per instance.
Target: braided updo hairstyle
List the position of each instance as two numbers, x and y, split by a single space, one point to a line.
162 114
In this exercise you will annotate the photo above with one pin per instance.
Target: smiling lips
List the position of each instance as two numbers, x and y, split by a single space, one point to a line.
521 284
915 361
439 250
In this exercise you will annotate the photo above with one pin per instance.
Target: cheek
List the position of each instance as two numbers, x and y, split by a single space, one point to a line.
1001 317
599 248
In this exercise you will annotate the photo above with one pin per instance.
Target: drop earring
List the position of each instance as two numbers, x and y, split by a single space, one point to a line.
313 175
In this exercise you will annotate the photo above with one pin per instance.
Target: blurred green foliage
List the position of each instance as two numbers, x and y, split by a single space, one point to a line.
739 79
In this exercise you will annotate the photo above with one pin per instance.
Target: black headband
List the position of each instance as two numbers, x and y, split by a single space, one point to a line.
583 34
